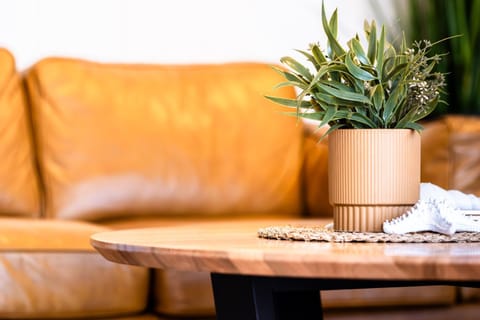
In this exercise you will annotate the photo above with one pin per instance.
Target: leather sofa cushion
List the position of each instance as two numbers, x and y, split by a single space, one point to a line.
388 297
183 293
18 182
49 270
451 153
134 139
470 295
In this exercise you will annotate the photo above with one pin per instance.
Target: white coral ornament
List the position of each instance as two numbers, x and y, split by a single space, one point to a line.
459 200
438 211
421 217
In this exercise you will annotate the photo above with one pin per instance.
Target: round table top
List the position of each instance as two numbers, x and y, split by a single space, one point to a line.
233 247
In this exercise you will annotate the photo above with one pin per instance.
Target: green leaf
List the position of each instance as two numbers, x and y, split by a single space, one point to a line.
289 102
300 85
359 52
375 117
397 70
380 53
337 85
331 129
393 102
415 115
403 46
389 59
371 32
318 54
333 23
290 113
325 100
289 75
320 73
344 95
356 71
358 117
357 85
361 120
336 49
317 115
329 114
312 115
411 125
378 97
430 67
426 110
310 58
298 67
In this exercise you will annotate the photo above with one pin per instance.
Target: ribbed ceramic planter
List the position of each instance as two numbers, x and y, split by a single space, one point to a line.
374 175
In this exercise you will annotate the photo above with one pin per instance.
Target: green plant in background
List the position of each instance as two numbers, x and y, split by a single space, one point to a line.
354 87
437 19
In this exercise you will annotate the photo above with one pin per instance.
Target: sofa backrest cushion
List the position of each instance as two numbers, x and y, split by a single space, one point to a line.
451 153
18 181
118 140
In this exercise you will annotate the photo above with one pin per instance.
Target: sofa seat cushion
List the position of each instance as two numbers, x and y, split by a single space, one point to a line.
153 221
18 182
49 270
133 140
469 295
390 297
183 293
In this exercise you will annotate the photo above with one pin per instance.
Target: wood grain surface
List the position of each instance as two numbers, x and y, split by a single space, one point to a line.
233 247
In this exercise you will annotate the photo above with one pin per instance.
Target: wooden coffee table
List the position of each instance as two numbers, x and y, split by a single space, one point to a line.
263 279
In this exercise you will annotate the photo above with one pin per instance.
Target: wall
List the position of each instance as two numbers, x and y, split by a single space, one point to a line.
175 31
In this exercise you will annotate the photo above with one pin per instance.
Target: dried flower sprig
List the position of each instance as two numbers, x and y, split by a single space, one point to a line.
424 86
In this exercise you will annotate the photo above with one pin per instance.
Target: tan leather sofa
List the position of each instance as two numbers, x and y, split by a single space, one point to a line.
88 147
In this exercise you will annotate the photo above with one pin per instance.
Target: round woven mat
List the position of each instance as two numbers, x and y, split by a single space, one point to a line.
302 233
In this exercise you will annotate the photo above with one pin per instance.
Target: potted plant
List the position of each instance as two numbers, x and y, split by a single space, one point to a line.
372 100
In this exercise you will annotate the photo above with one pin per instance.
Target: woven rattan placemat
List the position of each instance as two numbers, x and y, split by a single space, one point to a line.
303 233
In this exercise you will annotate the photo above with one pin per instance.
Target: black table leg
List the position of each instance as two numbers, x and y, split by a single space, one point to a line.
262 298
240 297
298 305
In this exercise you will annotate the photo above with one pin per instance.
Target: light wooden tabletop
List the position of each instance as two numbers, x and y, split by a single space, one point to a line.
233 247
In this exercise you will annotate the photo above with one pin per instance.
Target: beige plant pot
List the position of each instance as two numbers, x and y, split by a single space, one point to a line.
374 175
